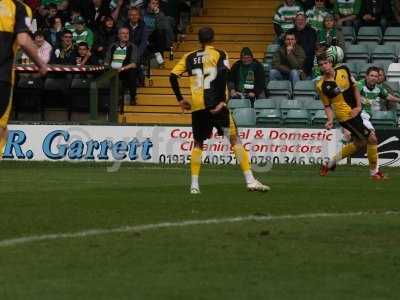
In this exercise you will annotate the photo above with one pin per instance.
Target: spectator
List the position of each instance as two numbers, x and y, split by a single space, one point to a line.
96 13
387 105
159 30
317 14
104 37
284 17
85 56
44 48
65 54
123 56
48 13
53 34
346 12
137 31
306 37
330 35
288 61
82 33
307 4
316 71
247 77
375 13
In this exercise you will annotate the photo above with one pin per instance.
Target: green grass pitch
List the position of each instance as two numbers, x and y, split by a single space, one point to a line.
331 257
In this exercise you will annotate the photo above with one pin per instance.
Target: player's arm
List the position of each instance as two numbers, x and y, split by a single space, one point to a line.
24 40
357 96
176 72
224 69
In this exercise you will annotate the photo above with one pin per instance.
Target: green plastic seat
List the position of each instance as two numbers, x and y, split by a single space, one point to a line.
383 119
239 103
244 117
297 118
286 105
270 117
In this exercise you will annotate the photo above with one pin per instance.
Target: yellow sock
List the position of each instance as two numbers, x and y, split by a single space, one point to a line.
2 145
346 151
195 161
243 157
372 153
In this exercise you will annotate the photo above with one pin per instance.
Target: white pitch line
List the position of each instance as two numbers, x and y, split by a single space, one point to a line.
138 228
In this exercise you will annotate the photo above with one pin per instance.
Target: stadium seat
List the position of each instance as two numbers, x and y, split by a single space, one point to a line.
392 35
269 117
319 119
297 118
270 51
313 107
286 104
352 67
305 98
368 34
357 53
264 104
384 53
244 117
348 33
304 87
79 94
393 72
394 86
239 103
383 119
55 94
279 88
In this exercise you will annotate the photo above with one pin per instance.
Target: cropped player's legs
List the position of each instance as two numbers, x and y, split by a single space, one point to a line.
243 158
5 109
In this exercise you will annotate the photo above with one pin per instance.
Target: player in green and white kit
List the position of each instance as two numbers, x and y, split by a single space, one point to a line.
371 93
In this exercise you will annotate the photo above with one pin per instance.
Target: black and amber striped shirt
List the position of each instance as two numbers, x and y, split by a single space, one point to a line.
13 20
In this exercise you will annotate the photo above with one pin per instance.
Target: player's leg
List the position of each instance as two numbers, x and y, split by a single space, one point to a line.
202 129
5 110
372 154
243 158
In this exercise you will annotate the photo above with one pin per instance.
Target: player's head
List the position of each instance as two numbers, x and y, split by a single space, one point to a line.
206 35
324 63
372 76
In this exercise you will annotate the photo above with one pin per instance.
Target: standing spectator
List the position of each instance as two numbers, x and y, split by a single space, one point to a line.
84 56
96 13
53 34
247 77
137 31
288 61
284 17
317 14
104 37
306 37
123 56
82 33
330 35
346 12
65 54
44 48
375 13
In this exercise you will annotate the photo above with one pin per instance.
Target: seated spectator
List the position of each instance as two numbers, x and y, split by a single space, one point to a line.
96 13
137 31
84 56
44 48
247 77
48 13
104 37
65 54
159 29
122 56
375 13
330 35
53 34
387 105
371 93
306 37
81 33
346 12
284 17
316 15
288 61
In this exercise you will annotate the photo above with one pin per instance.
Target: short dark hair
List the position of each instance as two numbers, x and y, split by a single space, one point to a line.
372 69
206 35
66 31
83 44
322 57
38 33
289 32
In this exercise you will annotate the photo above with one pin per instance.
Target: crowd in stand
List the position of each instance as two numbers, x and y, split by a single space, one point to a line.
122 34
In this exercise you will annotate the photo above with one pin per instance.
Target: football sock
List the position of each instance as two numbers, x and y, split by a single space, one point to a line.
346 151
195 164
2 145
243 158
372 153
